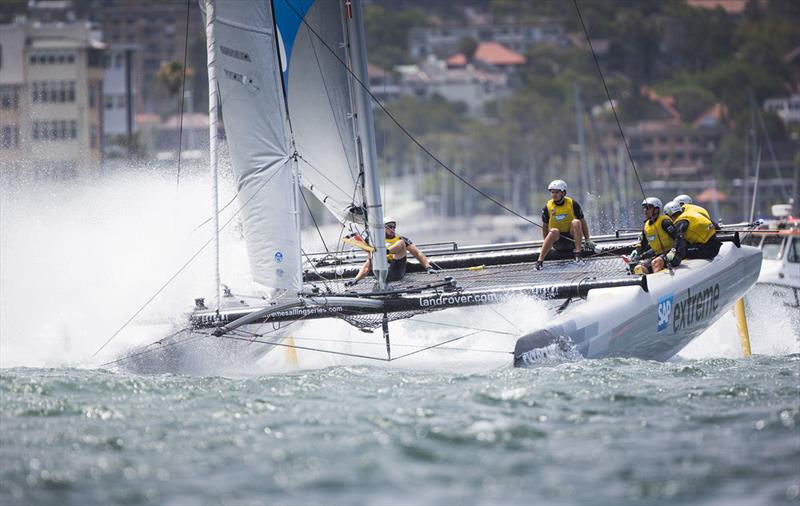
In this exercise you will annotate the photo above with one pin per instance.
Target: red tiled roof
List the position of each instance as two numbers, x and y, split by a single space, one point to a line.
710 195
495 53
729 6
712 115
457 60
375 71
667 103
147 118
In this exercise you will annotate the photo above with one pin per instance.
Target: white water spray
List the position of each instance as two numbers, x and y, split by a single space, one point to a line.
79 258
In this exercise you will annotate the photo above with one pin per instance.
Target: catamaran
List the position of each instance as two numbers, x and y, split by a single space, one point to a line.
290 77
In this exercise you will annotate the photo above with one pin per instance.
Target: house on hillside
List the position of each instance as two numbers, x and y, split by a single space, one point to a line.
444 40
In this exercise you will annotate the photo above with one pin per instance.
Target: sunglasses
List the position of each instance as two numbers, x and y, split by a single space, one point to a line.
390 225
648 207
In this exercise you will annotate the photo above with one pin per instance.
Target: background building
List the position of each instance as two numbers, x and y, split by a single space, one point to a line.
52 80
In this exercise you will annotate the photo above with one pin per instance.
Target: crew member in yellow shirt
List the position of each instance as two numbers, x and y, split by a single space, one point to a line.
563 226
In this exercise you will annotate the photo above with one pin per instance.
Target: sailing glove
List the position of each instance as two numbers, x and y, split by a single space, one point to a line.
590 245
634 255
352 282
431 270
670 256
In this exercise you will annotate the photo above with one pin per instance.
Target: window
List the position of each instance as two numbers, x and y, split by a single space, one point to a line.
772 246
9 98
92 94
54 130
793 251
9 137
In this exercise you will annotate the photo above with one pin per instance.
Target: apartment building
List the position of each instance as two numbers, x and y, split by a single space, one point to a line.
444 41
51 80
157 30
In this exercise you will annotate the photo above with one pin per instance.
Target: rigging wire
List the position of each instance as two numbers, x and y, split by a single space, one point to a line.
183 93
314 220
763 126
256 339
610 100
403 129
616 116
182 268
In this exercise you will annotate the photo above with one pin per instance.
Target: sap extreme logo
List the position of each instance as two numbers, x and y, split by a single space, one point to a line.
664 311
696 308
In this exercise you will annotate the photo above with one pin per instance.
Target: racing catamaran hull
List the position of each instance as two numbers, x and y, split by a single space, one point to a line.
652 325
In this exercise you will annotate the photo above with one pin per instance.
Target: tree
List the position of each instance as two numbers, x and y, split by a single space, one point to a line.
170 76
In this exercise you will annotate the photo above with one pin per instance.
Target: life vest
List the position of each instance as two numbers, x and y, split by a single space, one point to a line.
389 243
699 210
700 229
561 216
656 236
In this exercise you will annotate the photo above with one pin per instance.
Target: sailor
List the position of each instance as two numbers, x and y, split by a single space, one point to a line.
563 224
686 202
396 248
656 249
699 232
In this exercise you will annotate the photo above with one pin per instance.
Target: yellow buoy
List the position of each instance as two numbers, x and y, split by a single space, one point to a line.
741 324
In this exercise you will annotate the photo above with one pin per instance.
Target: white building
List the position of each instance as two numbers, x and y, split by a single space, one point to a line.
51 78
787 108
444 41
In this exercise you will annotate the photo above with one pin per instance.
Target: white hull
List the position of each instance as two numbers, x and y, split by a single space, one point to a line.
653 325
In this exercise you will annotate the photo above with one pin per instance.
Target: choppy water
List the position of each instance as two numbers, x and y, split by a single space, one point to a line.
712 431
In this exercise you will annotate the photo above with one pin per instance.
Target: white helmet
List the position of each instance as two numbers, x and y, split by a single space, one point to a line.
672 208
683 199
558 184
652 201
389 219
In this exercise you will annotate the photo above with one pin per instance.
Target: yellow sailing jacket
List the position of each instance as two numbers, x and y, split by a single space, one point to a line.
700 229
658 239
561 216
700 210
390 242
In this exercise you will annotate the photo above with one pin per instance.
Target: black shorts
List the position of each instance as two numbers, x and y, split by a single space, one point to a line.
397 269
707 251
565 243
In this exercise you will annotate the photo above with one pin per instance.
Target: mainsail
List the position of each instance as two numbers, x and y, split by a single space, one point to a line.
253 104
313 49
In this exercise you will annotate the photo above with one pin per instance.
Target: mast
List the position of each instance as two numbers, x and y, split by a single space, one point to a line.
213 119
366 132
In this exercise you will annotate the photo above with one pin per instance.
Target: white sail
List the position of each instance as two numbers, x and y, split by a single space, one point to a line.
319 100
253 108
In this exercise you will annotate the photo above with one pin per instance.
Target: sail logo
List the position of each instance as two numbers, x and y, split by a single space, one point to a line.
560 217
279 257
664 312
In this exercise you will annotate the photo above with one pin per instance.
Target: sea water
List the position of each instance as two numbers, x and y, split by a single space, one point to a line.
707 428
